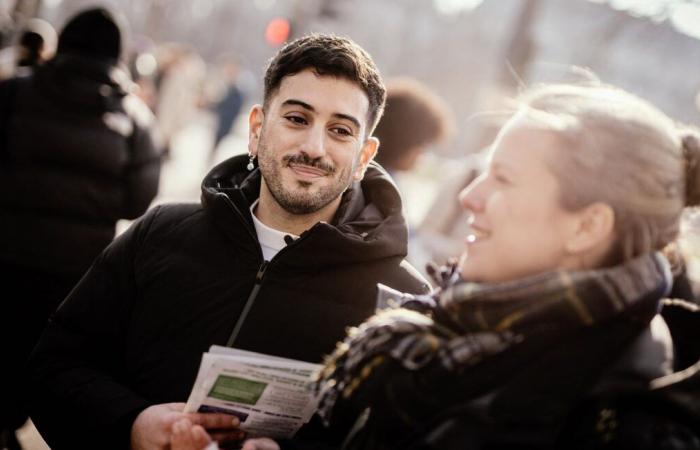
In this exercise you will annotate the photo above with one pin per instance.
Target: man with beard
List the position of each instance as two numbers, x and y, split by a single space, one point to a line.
280 258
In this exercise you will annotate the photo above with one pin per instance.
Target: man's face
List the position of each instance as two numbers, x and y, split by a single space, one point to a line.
310 143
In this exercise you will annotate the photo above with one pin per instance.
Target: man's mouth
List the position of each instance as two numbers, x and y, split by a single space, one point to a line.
305 171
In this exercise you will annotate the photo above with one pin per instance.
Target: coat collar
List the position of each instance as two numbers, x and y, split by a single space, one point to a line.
368 224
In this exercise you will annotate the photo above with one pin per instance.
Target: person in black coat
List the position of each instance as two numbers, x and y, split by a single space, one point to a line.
283 253
77 153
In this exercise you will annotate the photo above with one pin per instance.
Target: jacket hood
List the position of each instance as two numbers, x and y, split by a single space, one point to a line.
81 83
368 224
94 33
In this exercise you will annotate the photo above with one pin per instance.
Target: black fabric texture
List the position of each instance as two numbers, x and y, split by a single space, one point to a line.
81 154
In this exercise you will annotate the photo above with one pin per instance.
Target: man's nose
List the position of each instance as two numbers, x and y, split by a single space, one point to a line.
314 145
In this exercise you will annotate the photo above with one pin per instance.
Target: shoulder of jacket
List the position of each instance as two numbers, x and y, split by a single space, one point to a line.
163 218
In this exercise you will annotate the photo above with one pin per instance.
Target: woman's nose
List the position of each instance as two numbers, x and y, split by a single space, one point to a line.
471 197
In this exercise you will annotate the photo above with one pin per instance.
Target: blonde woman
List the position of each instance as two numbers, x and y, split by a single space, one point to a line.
552 314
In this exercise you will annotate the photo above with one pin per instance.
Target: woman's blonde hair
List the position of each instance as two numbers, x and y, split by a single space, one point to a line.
621 150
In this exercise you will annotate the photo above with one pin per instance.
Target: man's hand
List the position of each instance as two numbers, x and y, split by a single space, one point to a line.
188 437
152 429
260 444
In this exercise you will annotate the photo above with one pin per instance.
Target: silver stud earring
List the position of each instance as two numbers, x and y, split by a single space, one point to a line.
250 165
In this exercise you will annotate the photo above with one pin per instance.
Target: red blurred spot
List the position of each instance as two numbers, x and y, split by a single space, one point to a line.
277 31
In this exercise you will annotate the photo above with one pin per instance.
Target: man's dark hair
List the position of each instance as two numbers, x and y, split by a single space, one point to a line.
329 55
414 117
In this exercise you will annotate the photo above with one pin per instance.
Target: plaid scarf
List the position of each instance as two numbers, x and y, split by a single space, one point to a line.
464 323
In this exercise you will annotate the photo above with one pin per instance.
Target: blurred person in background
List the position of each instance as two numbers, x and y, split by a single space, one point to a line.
6 26
77 153
228 106
444 225
553 330
283 253
415 119
179 89
143 67
35 45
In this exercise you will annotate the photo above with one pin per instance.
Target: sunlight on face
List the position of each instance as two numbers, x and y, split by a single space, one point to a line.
312 141
517 227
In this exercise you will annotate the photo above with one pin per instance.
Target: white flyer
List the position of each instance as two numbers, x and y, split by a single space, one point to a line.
270 395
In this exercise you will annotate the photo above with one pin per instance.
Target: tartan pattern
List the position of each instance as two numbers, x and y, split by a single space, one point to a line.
464 323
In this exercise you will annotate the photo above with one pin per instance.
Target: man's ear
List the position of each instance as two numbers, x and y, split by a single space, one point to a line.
255 123
369 149
594 230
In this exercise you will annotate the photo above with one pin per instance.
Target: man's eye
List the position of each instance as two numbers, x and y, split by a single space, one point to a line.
341 131
296 120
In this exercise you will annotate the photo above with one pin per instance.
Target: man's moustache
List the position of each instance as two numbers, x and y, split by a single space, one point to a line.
306 161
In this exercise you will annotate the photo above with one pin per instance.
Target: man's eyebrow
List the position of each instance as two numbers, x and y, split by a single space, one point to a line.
304 105
350 118
293 101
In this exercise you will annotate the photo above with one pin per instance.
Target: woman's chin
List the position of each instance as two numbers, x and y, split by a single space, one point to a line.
468 268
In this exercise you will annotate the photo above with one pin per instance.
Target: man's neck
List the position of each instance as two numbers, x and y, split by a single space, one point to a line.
274 216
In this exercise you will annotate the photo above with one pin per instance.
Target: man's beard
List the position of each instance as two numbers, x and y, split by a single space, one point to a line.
298 199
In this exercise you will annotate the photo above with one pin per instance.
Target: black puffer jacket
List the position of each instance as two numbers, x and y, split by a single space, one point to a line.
133 331
77 155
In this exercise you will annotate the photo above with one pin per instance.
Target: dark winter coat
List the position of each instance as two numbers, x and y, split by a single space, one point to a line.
133 331
77 154
555 361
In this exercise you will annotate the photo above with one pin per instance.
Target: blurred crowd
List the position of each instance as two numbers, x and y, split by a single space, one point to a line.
171 78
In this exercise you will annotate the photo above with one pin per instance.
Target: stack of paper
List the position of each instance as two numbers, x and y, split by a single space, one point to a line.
270 395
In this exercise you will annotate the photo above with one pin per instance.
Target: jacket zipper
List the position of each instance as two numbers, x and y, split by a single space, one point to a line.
240 215
253 294
258 278
248 304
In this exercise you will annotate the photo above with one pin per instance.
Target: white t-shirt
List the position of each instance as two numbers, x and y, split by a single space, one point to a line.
271 240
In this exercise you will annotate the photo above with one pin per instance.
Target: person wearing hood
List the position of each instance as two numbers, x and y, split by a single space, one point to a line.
77 153
281 256
35 44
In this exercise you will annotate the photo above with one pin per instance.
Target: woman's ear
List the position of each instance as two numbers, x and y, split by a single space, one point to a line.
594 231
